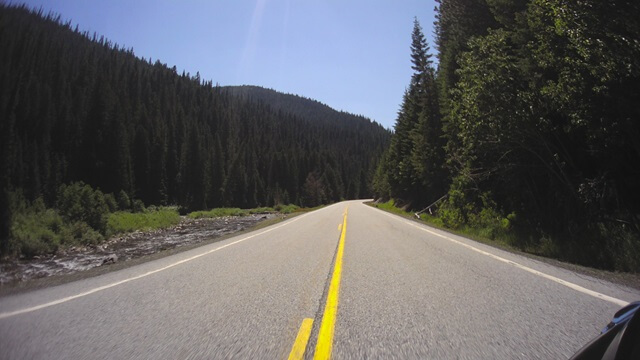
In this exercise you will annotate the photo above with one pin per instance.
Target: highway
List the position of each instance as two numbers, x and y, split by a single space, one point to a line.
369 284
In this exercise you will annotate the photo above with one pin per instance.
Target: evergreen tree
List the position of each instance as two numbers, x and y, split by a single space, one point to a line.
415 157
74 107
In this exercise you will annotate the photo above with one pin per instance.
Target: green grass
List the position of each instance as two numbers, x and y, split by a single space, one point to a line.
390 206
122 221
44 231
219 212
36 230
485 235
286 209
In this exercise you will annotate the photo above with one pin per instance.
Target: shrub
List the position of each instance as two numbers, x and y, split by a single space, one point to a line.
79 202
451 217
35 231
111 202
123 200
82 234
137 206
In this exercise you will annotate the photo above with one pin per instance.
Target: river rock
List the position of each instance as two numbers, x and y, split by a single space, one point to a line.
111 259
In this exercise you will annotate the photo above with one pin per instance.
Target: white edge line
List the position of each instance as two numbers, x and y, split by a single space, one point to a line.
104 287
520 266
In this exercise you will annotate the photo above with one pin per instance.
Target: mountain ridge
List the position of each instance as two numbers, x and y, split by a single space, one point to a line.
77 107
298 105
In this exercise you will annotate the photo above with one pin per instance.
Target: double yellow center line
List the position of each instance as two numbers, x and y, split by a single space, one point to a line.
327 327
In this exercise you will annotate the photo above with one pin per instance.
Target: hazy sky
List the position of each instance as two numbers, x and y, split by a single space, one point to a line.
351 55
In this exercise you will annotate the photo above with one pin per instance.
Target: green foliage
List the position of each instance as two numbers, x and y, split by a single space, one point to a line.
261 210
82 218
538 102
87 110
314 191
219 212
381 186
160 218
111 202
137 206
78 202
413 167
452 218
79 233
390 206
457 21
286 209
35 231
124 203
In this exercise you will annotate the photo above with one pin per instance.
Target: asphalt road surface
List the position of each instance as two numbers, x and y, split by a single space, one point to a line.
375 285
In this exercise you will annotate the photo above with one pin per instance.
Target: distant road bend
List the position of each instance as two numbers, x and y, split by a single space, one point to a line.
347 281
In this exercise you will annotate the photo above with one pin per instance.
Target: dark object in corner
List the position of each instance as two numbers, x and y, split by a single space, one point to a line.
619 340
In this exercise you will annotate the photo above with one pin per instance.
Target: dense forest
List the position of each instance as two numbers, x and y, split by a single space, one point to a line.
76 107
529 126
304 108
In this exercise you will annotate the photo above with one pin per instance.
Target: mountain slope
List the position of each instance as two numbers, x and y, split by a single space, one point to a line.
300 106
75 107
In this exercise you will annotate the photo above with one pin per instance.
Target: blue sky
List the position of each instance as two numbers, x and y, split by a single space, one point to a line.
352 55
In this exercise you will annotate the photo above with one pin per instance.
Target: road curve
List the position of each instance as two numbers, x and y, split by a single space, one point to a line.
406 291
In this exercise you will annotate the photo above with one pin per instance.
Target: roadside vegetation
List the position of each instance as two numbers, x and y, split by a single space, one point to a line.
86 109
527 129
487 227
81 216
85 216
151 218
220 212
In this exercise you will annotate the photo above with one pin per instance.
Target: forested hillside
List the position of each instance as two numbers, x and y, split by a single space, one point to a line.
308 109
76 107
530 124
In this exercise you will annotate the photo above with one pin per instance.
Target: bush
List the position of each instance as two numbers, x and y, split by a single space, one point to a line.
35 231
137 206
79 202
451 217
111 202
79 233
123 201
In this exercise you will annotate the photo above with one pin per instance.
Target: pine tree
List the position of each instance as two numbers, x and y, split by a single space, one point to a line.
415 158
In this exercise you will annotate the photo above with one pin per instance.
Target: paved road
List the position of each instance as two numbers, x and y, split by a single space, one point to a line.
405 291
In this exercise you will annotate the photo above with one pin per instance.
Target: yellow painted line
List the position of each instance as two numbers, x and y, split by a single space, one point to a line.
327 327
297 352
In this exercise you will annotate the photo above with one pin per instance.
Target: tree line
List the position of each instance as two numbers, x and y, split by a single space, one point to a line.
76 107
529 126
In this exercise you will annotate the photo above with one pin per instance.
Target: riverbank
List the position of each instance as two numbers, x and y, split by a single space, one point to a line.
124 249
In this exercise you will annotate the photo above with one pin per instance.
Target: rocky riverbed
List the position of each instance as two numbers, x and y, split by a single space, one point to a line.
125 247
